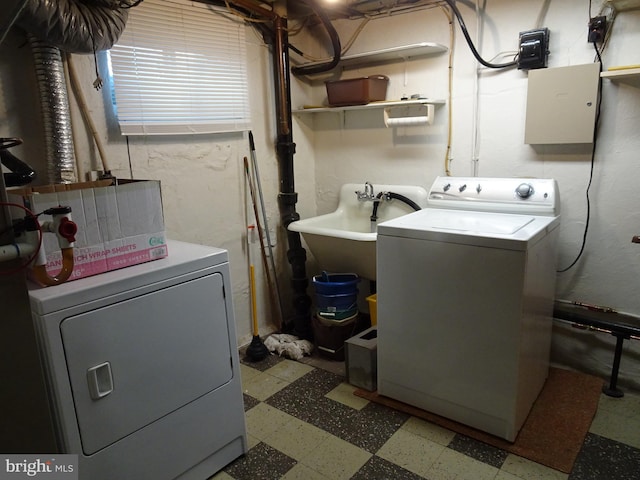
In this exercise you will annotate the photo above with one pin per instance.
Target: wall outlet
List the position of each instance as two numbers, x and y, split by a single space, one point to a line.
597 29
534 49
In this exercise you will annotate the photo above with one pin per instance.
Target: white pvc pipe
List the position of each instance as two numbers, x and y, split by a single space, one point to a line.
15 250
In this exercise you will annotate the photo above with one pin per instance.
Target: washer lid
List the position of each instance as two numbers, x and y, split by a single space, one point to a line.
492 223
500 230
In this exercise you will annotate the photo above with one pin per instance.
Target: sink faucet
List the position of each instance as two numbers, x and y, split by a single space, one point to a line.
367 194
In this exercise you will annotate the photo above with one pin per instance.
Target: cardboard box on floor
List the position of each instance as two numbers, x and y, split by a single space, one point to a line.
120 223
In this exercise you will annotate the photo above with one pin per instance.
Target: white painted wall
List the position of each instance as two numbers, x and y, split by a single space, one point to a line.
356 147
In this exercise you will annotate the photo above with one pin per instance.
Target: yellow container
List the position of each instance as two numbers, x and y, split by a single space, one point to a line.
373 308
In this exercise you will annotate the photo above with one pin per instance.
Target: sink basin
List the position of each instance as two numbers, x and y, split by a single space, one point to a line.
343 241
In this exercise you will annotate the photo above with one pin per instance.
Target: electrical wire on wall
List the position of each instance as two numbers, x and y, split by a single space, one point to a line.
452 40
475 132
593 156
480 13
609 13
467 37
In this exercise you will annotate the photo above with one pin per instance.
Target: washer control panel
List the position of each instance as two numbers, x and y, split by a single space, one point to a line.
507 195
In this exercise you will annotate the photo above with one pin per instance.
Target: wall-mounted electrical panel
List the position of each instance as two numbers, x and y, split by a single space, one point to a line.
534 49
597 29
562 104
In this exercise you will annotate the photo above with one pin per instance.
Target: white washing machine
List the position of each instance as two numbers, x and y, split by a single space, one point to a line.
142 367
465 300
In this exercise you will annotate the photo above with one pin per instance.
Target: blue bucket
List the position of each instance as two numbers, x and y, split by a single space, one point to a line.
336 293
336 283
343 302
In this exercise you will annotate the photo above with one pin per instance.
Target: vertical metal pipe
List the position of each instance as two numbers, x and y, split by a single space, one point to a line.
287 198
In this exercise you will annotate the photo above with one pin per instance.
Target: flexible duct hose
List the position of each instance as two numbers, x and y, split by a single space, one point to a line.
41 275
76 26
56 115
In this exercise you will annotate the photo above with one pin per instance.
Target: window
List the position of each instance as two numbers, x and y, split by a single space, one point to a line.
180 68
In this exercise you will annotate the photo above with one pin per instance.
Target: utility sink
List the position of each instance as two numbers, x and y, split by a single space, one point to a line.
345 240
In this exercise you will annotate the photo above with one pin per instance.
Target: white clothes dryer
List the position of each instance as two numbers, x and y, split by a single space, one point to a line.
465 299
142 367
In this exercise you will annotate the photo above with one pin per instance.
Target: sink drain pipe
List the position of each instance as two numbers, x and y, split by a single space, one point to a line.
288 197
300 324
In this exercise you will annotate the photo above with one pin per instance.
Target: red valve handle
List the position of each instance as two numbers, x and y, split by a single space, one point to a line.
68 229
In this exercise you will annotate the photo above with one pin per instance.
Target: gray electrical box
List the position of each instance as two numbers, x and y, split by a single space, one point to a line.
562 104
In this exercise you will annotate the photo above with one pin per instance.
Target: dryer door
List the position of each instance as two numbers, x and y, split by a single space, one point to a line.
132 362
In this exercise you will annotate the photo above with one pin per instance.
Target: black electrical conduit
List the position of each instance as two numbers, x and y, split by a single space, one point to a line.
388 196
335 43
463 27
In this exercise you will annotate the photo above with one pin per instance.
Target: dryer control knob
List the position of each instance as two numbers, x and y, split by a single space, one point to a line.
524 190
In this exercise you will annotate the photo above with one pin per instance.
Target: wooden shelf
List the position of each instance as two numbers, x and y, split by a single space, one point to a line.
402 52
372 106
630 76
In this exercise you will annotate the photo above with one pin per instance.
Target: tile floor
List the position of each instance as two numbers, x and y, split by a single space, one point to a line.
304 423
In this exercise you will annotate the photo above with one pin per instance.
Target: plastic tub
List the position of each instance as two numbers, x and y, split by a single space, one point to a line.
357 91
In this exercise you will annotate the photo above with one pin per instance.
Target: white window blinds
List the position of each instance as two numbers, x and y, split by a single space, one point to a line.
180 68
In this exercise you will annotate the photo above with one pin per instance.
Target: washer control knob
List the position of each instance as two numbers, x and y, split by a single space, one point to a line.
447 187
462 188
524 190
479 188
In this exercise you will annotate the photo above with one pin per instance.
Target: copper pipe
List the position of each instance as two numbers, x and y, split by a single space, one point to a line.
283 110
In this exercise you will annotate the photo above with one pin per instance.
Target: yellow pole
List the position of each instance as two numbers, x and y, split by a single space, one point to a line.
254 309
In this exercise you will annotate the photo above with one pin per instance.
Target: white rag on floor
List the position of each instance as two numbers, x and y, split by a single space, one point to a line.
288 345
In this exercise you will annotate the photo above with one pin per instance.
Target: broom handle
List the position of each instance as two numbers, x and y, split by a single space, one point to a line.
260 236
254 309
256 171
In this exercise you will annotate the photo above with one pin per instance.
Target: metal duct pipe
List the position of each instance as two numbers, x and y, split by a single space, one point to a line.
56 115
76 26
